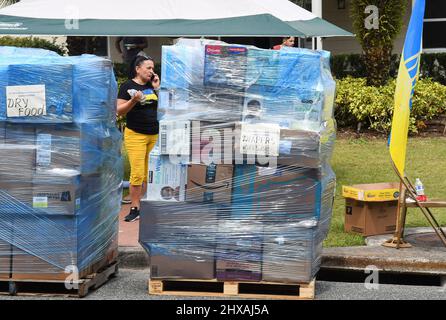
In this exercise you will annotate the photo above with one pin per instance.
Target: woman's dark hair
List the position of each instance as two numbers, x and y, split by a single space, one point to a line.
137 61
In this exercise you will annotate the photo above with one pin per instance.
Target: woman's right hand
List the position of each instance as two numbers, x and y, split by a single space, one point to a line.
137 97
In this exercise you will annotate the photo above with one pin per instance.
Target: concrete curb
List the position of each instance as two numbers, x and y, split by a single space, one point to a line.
362 258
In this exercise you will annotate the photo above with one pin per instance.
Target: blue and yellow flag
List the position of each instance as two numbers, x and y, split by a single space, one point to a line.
407 78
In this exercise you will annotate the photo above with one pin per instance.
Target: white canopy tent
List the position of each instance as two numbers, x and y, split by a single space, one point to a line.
169 18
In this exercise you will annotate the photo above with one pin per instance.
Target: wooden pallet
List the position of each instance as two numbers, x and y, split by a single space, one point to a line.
43 288
238 289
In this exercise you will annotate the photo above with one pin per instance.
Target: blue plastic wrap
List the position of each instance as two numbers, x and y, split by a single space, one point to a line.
72 89
255 131
60 174
94 89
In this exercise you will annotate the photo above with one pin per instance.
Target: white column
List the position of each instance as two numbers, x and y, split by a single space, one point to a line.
316 8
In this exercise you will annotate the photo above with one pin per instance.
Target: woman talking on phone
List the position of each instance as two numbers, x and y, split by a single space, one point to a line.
138 101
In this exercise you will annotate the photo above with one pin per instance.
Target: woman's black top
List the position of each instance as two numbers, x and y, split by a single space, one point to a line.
143 117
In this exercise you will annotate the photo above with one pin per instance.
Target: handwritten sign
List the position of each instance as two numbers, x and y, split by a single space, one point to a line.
25 101
260 139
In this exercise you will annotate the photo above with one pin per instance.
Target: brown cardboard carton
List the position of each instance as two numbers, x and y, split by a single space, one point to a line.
180 239
212 142
211 183
239 251
56 194
370 218
277 192
16 193
28 266
289 259
5 259
181 266
57 147
17 155
299 148
296 148
372 192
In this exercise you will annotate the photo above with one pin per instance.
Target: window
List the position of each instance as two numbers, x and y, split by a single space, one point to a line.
434 25
306 4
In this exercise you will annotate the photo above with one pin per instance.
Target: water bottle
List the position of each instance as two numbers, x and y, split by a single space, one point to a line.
419 188
132 93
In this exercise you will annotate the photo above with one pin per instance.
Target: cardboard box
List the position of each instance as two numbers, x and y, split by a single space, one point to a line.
180 239
300 148
185 224
212 142
372 192
239 251
202 103
5 258
53 102
18 154
291 147
225 65
183 265
58 146
57 193
370 218
68 241
166 180
290 254
211 183
276 193
175 137
261 139
297 108
15 194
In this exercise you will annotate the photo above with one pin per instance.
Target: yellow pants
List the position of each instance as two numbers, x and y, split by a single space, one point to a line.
138 147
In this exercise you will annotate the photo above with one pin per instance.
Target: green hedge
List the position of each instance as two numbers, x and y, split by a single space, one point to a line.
433 65
373 106
32 42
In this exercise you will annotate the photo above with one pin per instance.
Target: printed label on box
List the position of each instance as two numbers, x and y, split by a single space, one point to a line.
43 154
175 137
260 139
26 101
40 202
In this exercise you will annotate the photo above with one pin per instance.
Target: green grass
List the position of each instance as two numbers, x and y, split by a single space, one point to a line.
358 161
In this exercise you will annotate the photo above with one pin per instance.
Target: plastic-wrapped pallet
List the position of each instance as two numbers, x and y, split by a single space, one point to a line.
244 189
60 172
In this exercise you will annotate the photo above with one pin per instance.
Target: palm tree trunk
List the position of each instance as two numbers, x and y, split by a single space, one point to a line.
5 3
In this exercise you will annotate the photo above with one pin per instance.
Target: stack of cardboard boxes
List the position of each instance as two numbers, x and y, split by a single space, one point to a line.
239 184
60 164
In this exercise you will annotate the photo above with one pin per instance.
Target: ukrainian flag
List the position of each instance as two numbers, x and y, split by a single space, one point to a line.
407 78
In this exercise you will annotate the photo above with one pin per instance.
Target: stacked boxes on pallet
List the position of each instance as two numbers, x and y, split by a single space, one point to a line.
240 187
60 164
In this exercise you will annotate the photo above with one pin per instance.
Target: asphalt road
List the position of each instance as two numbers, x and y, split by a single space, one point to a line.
132 285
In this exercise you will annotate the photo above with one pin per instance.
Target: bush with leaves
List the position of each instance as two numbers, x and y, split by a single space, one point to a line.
33 42
377 43
356 102
433 65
